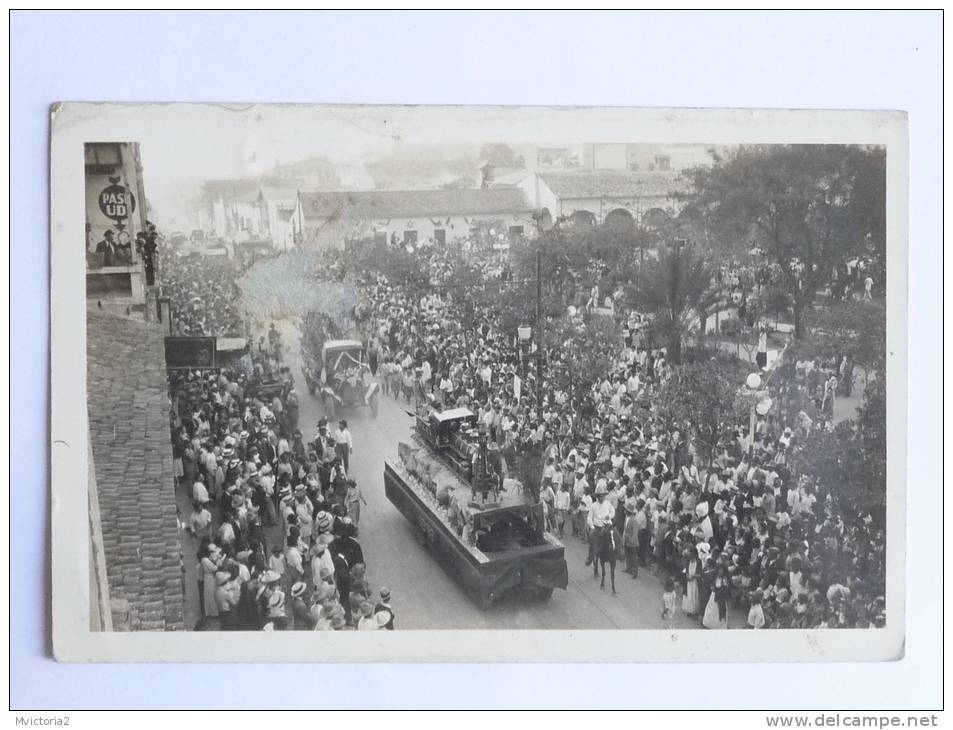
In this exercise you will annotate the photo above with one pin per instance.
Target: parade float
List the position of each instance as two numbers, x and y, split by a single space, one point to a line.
484 529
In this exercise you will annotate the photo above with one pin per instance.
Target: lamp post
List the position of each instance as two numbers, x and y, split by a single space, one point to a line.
760 404
523 335
752 383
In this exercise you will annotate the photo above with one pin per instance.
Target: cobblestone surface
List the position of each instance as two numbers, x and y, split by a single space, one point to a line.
128 419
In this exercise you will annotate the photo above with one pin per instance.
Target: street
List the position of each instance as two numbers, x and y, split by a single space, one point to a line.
424 596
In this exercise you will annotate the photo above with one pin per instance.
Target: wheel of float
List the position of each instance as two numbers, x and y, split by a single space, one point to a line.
544 594
311 389
329 407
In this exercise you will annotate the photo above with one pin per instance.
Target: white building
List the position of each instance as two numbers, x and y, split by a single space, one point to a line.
231 208
275 206
416 217
594 197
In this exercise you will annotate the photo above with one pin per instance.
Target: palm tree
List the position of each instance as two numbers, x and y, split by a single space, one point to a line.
682 292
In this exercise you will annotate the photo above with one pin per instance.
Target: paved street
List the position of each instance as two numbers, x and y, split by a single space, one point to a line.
424 596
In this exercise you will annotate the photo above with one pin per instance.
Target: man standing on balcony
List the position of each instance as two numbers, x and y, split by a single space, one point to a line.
107 247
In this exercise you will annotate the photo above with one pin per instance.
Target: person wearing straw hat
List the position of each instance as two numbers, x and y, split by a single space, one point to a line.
383 606
300 614
367 620
304 511
321 558
226 597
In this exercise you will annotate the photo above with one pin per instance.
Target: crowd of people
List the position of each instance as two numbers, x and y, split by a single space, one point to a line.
274 515
740 529
205 294
737 532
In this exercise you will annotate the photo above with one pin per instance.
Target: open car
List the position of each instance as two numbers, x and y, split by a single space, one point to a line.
345 378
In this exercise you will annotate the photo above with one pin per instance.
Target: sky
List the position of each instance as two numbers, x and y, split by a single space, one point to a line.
184 144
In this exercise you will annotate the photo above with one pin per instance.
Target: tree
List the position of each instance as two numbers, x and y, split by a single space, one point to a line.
850 462
776 300
703 397
500 155
809 206
681 291
855 329
580 352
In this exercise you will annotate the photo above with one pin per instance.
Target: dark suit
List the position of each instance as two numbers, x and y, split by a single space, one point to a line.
267 453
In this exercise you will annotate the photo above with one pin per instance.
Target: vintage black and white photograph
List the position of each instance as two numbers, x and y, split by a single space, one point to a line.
405 369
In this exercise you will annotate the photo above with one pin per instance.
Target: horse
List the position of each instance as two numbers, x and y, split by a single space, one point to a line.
606 546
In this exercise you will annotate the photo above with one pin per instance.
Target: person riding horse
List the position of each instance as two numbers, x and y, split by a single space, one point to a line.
604 541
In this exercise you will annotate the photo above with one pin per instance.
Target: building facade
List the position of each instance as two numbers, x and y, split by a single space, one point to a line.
116 212
595 197
409 217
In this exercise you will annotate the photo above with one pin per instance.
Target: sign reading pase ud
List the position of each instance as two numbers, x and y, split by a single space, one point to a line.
116 201
190 353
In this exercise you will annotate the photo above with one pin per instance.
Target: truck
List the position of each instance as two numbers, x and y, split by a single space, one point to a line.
342 378
483 528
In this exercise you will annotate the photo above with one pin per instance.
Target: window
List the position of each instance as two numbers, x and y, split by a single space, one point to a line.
439 236
516 231
410 237
102 159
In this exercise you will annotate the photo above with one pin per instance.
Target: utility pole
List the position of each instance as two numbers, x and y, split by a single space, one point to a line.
539 336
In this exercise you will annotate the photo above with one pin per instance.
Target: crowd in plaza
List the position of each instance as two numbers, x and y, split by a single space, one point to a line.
274 514
747 531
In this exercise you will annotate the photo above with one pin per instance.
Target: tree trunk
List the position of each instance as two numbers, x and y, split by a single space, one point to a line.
798 320
675 350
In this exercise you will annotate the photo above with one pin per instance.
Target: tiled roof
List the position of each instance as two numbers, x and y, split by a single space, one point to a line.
129 428
283 195
586 184
409 203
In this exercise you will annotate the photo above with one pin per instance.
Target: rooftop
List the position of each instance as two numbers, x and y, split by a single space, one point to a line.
586 184
410 203
128 410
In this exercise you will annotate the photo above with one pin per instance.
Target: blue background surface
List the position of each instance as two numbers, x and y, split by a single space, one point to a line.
821 60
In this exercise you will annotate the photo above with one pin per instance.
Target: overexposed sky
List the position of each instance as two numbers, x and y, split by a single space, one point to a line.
181 141
183 144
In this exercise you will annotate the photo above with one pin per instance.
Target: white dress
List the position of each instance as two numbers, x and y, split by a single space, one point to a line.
690 601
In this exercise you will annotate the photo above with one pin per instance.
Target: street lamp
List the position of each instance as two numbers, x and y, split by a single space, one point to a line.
752 384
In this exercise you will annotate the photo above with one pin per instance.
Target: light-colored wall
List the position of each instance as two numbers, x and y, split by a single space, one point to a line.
130 178
539 195
604 156
271 226
328 234
601 207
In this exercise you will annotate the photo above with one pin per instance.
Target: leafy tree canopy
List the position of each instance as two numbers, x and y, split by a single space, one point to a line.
810 207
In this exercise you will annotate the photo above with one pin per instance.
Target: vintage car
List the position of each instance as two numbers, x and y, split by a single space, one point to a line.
345 378
483 528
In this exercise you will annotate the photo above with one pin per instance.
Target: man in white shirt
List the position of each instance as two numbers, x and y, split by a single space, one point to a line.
344 444
632 384
601 514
